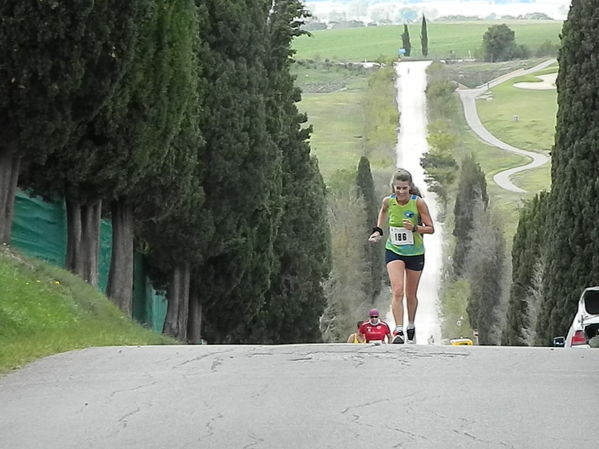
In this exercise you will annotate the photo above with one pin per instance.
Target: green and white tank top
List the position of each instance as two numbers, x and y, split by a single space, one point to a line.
401 240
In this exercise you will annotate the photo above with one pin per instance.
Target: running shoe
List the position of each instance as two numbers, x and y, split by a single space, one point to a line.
399 338
411 335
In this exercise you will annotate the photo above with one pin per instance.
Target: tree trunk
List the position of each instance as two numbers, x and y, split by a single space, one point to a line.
83 240
9 175
90 240
194 325
184 302
172 312
73 261
177 312
120 279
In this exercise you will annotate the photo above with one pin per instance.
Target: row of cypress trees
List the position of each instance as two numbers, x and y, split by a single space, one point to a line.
177 119
556 249
479 254
475 277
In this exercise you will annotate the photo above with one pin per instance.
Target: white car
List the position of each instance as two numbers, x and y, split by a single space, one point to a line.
585 325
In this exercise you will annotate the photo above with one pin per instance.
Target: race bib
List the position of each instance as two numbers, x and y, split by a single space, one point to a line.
401 236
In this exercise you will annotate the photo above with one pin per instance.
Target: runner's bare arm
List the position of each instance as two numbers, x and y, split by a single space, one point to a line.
427 226
381 221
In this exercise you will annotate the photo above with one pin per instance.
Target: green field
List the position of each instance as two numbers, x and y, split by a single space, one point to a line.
370 43
327 77
337 120
536 111
337 116
534 180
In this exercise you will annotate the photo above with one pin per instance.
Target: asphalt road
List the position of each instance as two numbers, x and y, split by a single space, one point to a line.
303 396
468 97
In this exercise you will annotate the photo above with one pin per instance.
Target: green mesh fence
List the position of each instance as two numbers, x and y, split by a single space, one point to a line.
39 230
149 307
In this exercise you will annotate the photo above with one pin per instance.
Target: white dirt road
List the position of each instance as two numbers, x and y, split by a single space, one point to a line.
411 145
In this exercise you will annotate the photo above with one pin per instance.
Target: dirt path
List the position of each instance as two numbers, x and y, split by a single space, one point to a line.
468 97
411 145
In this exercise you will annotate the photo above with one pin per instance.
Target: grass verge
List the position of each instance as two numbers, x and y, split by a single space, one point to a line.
45 310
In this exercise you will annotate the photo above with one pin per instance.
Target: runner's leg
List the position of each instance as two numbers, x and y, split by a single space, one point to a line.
396 270
412 281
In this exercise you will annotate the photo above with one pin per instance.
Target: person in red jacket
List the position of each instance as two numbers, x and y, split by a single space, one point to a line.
375 329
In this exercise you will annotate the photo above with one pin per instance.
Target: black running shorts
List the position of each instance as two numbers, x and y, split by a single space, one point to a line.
414 263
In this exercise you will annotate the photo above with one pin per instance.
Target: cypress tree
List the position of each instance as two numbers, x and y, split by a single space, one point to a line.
242 166
347 289
573 233
38 86
366 190
60 63
486 274
405 40
295 300
424 37
105 52
125 153
472 190
147 158
527 260
176 244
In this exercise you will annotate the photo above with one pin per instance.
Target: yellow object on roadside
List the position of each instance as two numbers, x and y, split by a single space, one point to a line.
353 338
461 342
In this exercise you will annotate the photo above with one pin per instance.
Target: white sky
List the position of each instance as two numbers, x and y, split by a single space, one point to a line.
368 10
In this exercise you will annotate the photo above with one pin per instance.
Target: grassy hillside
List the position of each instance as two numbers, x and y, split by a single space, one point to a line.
46 310
536 111
370 43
